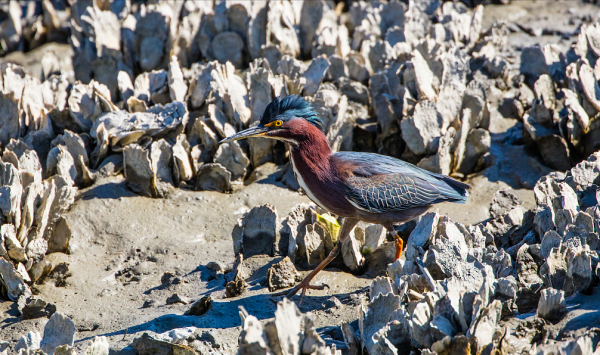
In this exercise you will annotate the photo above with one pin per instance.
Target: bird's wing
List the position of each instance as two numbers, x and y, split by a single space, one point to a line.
391 192
384 184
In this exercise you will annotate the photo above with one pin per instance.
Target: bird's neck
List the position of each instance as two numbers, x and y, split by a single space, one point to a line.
315 171
311 151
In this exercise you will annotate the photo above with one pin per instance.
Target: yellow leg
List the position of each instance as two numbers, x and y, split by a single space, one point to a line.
305 284
399 246
347 226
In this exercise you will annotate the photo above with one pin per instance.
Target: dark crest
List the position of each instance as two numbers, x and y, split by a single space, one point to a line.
289 107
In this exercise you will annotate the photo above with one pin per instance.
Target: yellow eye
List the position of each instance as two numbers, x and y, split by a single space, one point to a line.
278 123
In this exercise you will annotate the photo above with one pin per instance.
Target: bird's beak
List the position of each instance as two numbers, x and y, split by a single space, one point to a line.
256 131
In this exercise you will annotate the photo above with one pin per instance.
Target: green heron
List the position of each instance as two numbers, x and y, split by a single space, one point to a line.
356 186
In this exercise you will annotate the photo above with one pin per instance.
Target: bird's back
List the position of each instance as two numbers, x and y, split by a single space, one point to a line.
380 184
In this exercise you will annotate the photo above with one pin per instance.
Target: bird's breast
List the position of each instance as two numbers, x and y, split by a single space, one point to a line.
304 186
321 185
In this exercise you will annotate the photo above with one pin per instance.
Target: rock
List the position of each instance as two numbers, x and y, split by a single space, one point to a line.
125 85
376 54
138 171
533 63
256 232
421 328
200 86
177 87
213 177
356 67
149 303
29 341
13 282
293 229
98 346
554 270
587 172
579 272
37 308
474 99
447 254
478 143
280 31
552 304
313 243
507 287
545 100
381 311
252 339
13 245
85 103
200 307
500 262
219 121
550 240
161 157
285 331
555 152
237 286
314 75
421 130
375 236
40 270
351 254
231 95
289 178
30 168
503 201
76 148
424 77
282 275
260 91
572 103
420 236
484 323
355 91
526 268
233 158
147 345
124 128
544 220
60 162
182 167
228 46
151 88
175 298
60 330
262 151
590 85
10 193
380 286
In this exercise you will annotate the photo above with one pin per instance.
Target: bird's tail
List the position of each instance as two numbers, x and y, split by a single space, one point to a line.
459 191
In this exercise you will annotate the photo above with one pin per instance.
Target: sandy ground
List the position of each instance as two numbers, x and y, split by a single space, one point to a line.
123 243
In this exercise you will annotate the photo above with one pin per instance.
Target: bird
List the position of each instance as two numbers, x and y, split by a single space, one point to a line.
355 186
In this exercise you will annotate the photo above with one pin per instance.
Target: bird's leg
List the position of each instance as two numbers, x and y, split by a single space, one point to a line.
399 245
305 284
397 239
347 226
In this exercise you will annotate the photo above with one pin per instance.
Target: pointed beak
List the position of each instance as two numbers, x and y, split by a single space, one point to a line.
256 131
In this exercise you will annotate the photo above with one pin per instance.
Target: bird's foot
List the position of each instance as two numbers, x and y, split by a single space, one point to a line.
399 246
305 285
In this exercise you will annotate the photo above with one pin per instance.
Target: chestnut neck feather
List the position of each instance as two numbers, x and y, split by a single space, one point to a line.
312 160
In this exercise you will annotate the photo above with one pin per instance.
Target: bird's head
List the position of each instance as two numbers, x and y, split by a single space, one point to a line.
286 119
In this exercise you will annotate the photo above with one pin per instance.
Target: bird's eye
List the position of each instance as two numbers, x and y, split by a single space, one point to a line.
278 123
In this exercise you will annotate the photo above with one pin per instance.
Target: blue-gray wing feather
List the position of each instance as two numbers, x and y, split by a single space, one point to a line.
384 184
